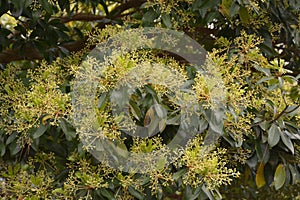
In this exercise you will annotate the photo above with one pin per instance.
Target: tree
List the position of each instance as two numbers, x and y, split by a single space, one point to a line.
253 73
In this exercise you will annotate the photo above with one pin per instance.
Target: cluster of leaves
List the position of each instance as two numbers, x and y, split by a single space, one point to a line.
266 102
254 49
257 122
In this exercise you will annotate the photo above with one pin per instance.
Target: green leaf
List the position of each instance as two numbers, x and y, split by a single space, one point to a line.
121 149
203 124
260 177
295 174
46 5
58 190
62 4
287 141
104 192
2 149
67 128
235 7
264 125
273 135
149 17
161 163
153 127
280 176
166 19
214 119
174 120
244 15
191 193
162 125
104 5
292 110
207 192
135 193
264 70
14 148
102 101
40 131
266 78
11 138
135 110
160 111
179 174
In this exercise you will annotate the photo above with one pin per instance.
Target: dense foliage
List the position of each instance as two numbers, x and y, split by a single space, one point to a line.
248 148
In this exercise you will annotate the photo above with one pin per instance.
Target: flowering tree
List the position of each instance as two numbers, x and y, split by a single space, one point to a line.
237 112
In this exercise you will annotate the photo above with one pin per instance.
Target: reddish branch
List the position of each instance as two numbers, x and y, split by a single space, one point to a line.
82 17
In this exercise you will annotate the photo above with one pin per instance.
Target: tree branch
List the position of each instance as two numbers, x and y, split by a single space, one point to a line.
116 12
82 17
30 53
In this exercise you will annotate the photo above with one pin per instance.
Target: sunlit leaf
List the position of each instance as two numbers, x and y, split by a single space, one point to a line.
280 176
179 174
273 135
160 111
40 131
162 125
260 176
161 163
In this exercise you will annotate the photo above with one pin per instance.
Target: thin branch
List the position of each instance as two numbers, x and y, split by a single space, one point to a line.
116 12
82 17
277 116
32 53
284 112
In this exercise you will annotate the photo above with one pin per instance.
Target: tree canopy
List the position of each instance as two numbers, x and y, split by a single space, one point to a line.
248 147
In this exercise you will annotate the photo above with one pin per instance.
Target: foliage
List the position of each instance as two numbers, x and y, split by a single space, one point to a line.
253 48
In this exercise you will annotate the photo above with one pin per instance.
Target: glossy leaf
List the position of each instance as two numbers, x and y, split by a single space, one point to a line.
67 129
279 177
166 19
40 131
135 110
273 135
162 125
260 177
106 193
135 193
179 174
46 5
287 142
160 111
11 138
264 70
